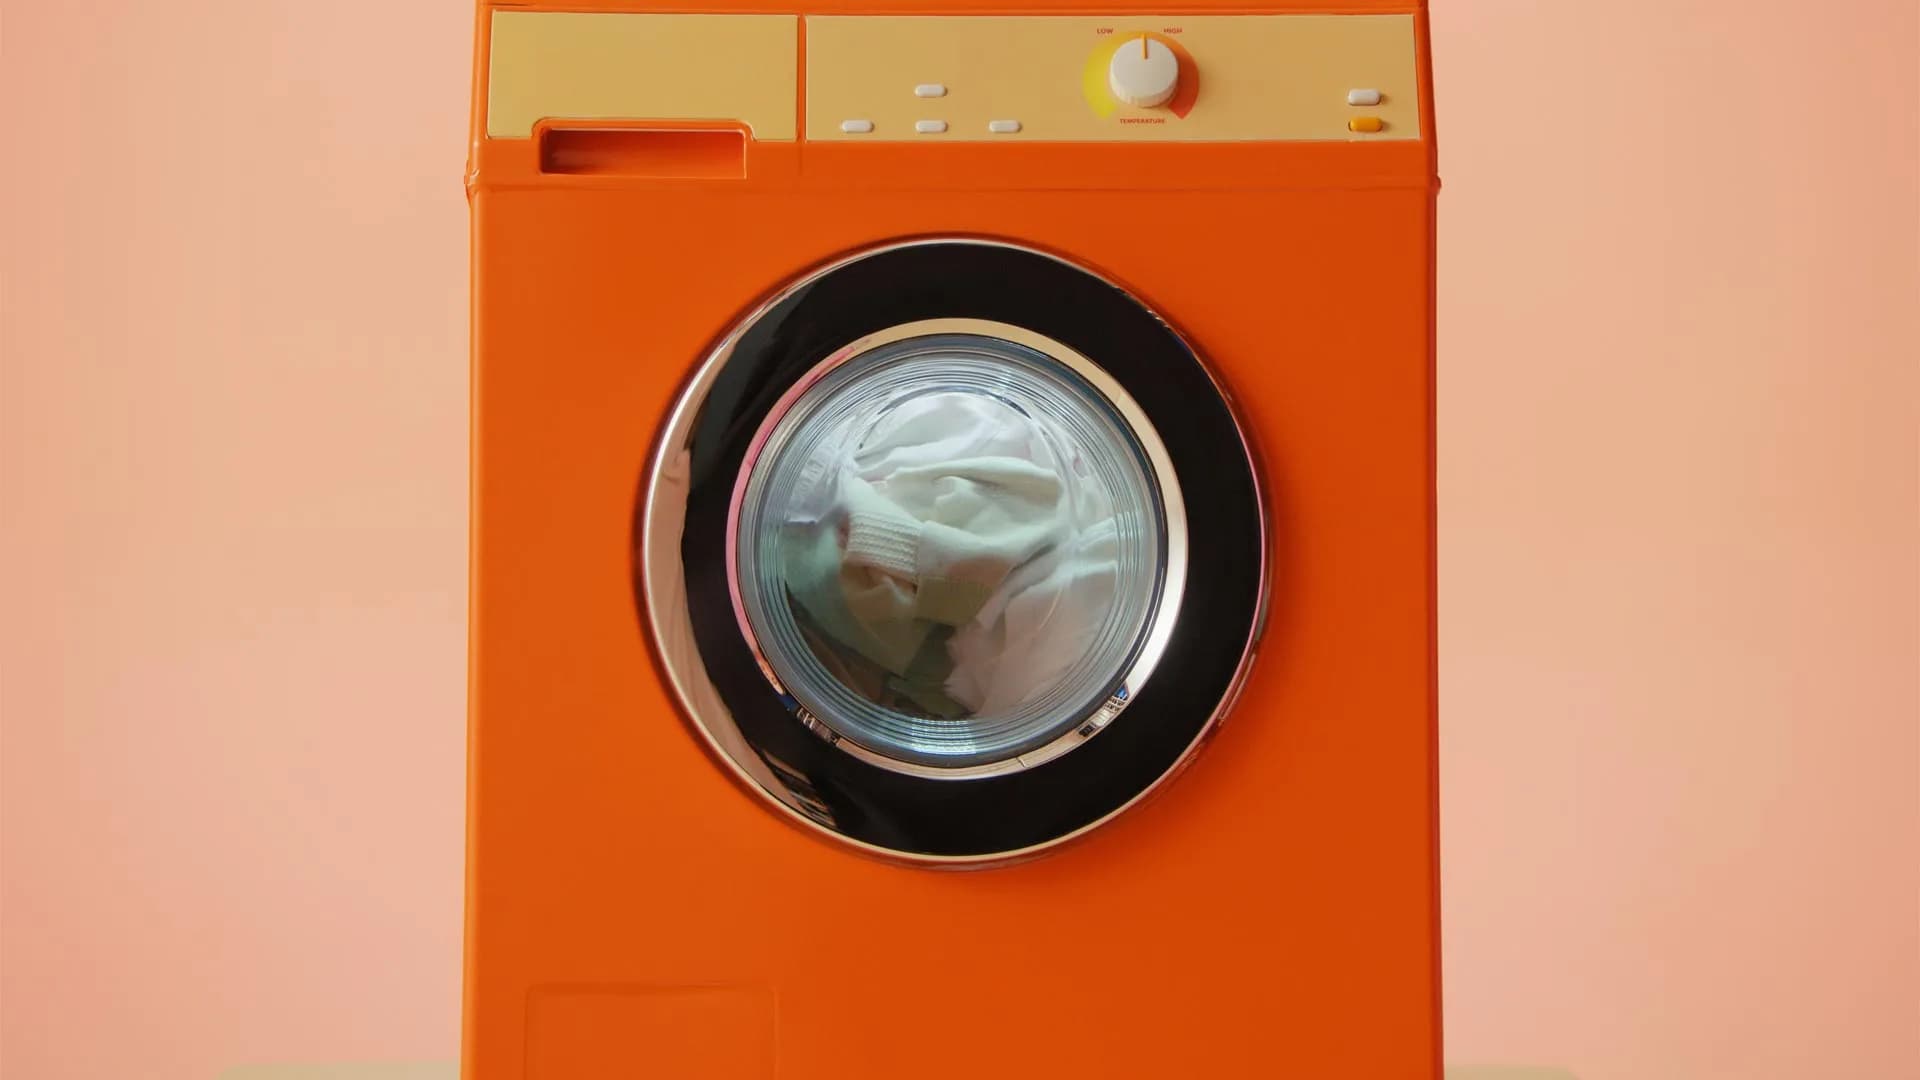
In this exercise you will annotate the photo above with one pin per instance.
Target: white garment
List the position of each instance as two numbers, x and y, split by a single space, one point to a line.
1038 626
994 521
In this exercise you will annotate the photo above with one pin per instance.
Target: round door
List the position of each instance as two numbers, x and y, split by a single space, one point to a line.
952 550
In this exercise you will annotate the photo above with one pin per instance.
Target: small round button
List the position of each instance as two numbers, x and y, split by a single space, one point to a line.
1144 72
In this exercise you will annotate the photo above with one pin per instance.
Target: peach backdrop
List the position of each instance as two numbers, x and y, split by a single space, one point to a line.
1680 531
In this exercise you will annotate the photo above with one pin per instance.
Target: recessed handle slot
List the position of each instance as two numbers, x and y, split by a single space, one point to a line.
658 153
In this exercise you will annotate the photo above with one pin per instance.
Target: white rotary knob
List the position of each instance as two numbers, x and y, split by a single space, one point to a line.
1144 72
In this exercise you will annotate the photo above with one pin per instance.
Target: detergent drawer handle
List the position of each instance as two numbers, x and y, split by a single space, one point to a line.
655 151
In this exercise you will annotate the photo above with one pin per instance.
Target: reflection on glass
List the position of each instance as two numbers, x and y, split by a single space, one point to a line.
949 548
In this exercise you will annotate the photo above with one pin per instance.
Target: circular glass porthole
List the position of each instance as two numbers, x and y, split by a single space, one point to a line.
950 546
919 549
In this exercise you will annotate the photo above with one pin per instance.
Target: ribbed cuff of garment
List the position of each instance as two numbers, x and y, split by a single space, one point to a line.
888 542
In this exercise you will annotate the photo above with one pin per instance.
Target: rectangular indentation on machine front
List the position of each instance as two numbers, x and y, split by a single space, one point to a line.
575 1032
658 153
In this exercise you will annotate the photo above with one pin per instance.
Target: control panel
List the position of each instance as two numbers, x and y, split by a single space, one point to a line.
577 65
1092 78
965 78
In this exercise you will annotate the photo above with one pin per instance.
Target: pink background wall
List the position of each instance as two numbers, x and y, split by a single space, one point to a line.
1680 530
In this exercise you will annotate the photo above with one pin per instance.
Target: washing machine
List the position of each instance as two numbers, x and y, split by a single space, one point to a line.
953 541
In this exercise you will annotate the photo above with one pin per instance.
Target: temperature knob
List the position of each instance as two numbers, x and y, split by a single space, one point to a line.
1144 72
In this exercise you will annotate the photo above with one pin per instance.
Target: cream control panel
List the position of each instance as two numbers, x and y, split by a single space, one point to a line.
958 78
563 65
1195 78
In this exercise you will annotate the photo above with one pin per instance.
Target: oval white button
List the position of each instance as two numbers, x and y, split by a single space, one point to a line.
1003 127
929 127
930 89
856 127
1363 97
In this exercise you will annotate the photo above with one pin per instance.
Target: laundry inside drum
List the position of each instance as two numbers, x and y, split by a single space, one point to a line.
949 549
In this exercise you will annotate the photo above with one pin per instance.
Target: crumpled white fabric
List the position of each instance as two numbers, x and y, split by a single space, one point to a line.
993 520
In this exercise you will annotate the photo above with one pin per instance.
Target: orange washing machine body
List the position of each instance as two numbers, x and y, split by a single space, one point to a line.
1214 222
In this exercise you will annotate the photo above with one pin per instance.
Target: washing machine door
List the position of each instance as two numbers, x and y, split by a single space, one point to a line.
952 550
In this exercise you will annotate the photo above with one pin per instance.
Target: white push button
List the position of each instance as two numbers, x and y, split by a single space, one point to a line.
856 127
929 127
1003 127
1363 97
930 89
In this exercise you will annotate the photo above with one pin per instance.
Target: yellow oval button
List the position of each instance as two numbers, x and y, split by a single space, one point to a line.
1368 124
